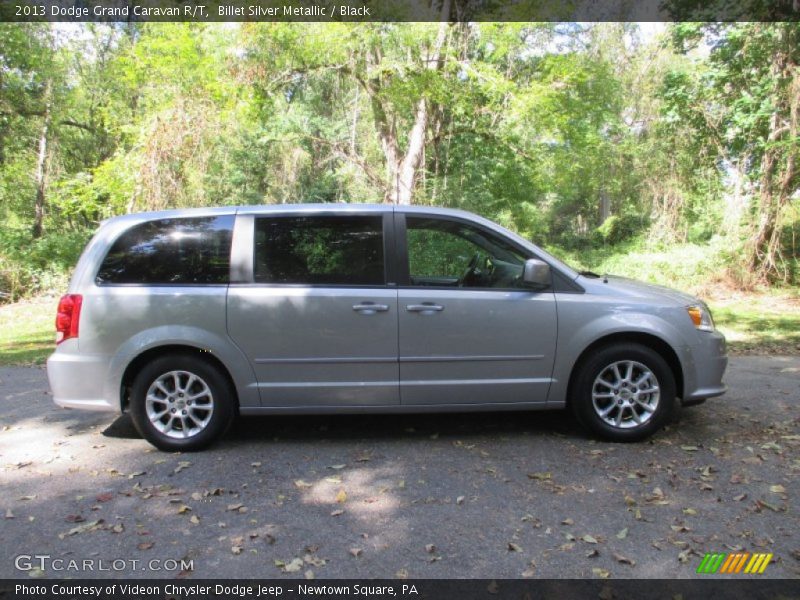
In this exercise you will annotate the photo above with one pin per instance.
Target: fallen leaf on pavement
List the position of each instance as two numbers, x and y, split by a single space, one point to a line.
589 539
601 572
90 526
623 559
314 560
531 570
764 504
657 497
355 551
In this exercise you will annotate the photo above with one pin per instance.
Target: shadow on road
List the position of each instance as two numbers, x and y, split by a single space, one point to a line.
382 427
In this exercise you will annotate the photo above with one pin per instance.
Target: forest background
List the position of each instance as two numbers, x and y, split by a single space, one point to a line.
666 153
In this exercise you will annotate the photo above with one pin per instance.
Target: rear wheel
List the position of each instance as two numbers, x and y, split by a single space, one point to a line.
623 392
180 402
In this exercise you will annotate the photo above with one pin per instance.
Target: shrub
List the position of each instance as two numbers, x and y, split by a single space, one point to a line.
36 267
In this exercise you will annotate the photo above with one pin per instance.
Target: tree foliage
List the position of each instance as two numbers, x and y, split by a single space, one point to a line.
578 136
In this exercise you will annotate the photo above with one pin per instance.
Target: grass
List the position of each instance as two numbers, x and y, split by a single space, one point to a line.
682 265
27 331
752 323
759 324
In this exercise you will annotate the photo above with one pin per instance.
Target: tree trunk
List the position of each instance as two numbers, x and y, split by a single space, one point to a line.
405 175
778 173
403 171
41 165
605 206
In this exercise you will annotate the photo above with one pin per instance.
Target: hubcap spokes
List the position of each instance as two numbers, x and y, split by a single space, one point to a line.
625 394
179 404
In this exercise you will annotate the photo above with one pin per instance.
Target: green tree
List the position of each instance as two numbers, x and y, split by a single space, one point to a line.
744 100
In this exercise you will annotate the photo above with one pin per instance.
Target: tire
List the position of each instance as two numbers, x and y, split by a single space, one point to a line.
621 405
180 402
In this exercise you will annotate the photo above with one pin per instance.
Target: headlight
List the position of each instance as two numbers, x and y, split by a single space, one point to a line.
701 317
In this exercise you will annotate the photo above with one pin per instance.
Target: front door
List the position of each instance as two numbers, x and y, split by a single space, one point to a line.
470 331
318 322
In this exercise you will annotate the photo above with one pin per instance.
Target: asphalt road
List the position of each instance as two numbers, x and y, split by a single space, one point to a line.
500 495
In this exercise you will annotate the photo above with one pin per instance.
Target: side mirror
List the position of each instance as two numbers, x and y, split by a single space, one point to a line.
536 272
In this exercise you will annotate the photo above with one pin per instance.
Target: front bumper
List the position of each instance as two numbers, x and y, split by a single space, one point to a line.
79 381
704 369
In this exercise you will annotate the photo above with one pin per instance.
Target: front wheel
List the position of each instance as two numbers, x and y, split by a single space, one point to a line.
623 392
181 403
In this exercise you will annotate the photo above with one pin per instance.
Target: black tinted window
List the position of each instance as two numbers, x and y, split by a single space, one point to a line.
171 251
319 250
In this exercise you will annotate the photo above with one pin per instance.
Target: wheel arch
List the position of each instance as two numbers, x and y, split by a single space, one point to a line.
139 361
648 340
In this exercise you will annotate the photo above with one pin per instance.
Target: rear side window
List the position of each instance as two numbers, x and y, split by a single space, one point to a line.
171 251
336 250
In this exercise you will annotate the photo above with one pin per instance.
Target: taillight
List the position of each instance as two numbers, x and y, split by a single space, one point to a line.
68 317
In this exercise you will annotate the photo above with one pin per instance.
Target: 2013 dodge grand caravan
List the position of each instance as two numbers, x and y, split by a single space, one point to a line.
187 318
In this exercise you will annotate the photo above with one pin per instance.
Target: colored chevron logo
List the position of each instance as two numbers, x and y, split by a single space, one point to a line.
740 562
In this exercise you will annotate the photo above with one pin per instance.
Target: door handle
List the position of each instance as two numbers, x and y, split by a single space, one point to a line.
425 307
370 308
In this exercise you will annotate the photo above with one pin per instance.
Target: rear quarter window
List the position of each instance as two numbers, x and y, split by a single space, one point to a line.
171 252
320 250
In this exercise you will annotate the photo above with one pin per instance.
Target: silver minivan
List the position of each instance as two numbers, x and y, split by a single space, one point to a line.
188 318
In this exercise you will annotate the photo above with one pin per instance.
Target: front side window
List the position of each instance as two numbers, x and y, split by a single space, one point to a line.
443 253
171 251
330 250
